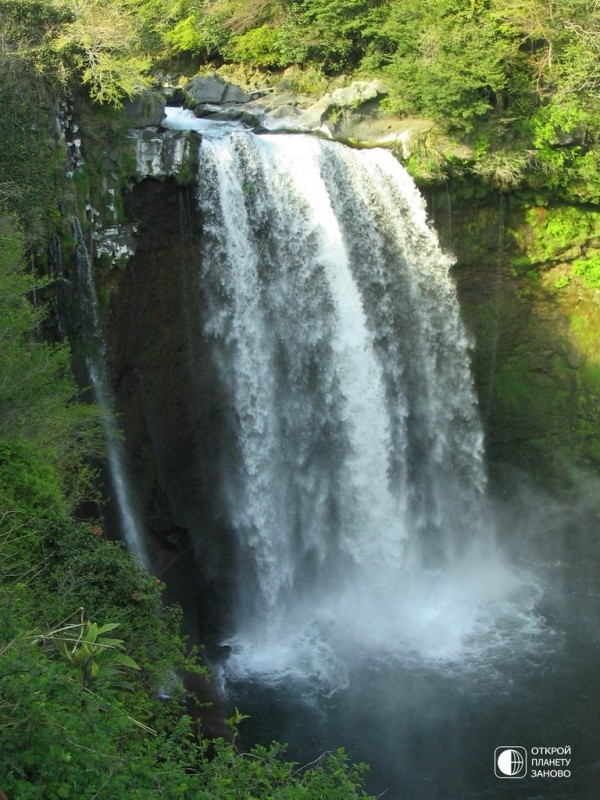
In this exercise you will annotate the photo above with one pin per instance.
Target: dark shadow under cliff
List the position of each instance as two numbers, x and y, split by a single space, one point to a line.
167 395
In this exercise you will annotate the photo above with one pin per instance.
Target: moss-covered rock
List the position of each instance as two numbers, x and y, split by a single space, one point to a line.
535 316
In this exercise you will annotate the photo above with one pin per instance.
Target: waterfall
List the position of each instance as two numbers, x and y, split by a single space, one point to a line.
95 355
353 479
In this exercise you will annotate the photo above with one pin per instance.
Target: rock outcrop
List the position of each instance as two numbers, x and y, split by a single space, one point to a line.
146 108
168 400
166 154
350 114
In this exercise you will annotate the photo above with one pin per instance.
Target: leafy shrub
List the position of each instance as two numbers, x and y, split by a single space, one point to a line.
258 46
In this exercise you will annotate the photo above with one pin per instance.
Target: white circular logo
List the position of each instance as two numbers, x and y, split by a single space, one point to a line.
510 762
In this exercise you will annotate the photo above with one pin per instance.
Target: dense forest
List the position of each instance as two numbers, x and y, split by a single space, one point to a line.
517 81
85 645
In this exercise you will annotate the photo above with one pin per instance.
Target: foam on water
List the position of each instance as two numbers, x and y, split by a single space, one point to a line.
465 618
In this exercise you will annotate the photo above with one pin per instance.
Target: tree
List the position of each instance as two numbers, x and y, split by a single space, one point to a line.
446 60
101 39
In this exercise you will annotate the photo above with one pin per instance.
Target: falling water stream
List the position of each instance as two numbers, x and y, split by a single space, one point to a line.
355 481
95 354
374 596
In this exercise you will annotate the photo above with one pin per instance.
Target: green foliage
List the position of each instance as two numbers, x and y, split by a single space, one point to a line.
233 722
102 43
28 483
79 712
264 775
338 34
561 234
504 169
446 63
184 26
30 159
588 269
42 424
258 46
99 41
91 650
72 720
26 25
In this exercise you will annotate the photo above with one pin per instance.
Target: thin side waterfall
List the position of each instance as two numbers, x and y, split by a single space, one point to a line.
95 354
352 476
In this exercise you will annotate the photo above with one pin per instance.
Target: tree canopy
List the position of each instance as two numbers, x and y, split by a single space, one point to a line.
455 60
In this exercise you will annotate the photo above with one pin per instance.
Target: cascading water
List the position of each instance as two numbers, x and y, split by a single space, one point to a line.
95 352
354 478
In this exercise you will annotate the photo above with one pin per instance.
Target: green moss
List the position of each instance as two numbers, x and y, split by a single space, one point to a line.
588 269
32 160
186 175
521 261
103 261
109 160
583 332
594 447
512 387
103 296
554 231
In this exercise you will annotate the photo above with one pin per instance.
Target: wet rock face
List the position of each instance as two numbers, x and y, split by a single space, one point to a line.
167 395
166 154
536 352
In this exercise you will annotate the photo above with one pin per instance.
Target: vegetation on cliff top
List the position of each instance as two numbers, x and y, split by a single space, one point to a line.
517 81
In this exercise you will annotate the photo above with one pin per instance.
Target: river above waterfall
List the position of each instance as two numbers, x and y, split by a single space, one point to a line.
380 601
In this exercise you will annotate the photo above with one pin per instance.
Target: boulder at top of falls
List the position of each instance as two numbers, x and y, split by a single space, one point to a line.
349 98
146 108
213 88
354 95
350 114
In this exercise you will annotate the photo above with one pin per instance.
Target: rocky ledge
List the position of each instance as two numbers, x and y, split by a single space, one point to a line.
352 114
166 154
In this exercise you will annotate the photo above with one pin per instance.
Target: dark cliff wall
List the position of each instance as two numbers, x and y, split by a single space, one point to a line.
168 398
